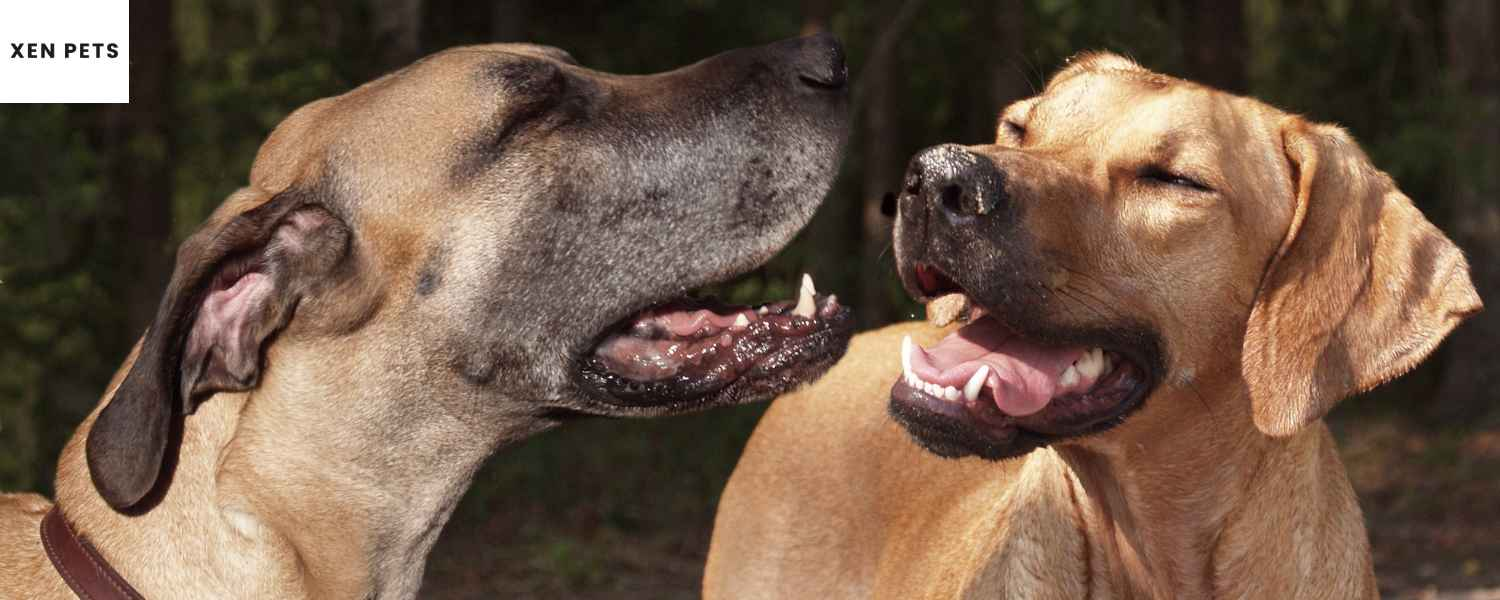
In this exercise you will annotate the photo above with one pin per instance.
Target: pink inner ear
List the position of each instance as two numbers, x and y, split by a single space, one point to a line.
221 330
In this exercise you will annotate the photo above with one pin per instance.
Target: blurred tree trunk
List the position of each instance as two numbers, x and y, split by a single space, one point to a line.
1471 373
137 140
875 101
508 21
1215 45
397 28
1007 60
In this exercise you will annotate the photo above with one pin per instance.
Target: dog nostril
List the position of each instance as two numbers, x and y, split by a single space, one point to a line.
952 198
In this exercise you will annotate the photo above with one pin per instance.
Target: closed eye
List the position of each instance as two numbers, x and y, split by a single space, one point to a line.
1016 130
1158 175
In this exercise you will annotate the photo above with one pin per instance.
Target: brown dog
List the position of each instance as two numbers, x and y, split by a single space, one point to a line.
1171 285
434 265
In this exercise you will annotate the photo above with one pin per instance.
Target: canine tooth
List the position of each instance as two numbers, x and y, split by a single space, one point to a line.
950 393
741 321
934 390
1069 376
805 302
976 383
906 350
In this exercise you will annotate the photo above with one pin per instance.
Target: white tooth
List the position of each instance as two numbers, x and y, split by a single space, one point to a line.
950 393
1069 376
906 350
1091 363
741 321
763 310
976 383
934 390
805 303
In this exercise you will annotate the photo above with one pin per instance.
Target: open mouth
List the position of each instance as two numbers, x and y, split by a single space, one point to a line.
990 389
701 351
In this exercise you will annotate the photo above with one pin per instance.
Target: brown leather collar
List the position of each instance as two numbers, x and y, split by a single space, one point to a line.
79 564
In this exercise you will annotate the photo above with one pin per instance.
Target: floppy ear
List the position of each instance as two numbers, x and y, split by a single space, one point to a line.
1362 288
236 282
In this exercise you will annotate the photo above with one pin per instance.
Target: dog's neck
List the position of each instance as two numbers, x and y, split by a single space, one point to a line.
275 495
1194 513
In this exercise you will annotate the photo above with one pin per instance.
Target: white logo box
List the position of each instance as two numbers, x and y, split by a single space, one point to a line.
72 51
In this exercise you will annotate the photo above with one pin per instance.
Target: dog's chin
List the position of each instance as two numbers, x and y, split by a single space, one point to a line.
687 354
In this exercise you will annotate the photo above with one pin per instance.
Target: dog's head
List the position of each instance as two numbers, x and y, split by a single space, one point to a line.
1134 240
497 234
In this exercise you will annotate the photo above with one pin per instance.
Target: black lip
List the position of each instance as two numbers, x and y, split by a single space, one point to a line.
804 358
947 429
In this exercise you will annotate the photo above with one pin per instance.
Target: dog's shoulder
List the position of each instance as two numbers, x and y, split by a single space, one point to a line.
843 415
812 481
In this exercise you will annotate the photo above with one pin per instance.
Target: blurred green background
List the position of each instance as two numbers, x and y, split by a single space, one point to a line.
93 199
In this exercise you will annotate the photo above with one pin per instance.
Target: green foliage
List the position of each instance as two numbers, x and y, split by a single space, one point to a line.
54 283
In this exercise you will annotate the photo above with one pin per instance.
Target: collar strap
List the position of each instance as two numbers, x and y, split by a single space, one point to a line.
80 565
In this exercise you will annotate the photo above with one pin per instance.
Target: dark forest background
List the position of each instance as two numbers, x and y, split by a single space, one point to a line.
93 200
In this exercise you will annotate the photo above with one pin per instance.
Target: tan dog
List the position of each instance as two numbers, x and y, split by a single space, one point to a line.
1171 285
425 269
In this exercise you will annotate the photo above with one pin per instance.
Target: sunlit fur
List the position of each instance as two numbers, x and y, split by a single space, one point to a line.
1225 484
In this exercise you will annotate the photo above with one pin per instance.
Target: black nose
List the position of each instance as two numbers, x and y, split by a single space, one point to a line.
818 61
956 181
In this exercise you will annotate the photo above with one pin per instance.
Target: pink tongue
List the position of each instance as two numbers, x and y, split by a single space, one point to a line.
1023 377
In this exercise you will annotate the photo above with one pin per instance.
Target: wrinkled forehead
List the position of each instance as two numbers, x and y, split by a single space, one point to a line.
1111 99
413 118
1106 91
